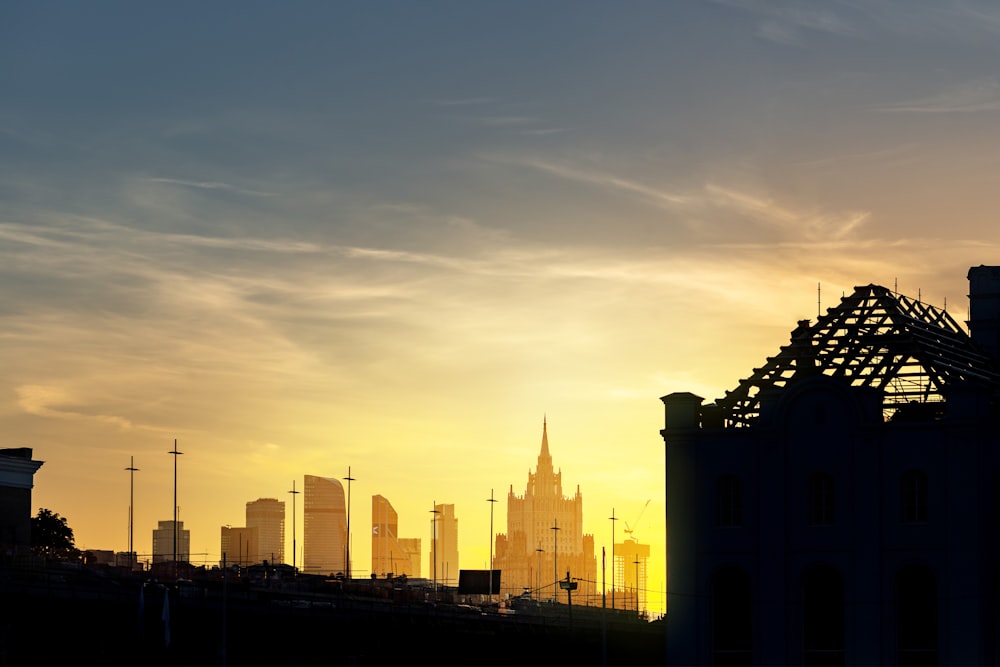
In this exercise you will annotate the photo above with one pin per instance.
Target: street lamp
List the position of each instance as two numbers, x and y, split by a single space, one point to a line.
614 564
555 557
175 454
492 501
538 573
434 563
294 493
348 479
131 497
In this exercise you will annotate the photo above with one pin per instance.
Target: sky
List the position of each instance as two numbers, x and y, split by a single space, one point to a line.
397 236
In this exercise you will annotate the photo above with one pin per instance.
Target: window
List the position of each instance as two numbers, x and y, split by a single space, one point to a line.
732 617
822 616
821 499
916 616
730 502
913 497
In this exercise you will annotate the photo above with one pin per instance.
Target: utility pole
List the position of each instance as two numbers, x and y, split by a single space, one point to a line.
131 497
555 555
294 493
347 547
492 501
175 454
614 565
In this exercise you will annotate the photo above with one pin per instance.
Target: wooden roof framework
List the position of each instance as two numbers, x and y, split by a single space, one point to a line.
876 338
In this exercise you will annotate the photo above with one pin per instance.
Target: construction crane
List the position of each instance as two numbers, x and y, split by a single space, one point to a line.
629 529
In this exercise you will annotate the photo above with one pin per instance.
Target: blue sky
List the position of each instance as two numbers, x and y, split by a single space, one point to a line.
309 235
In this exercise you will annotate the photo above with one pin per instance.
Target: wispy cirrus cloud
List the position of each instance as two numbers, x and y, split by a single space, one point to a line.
967 97
211 185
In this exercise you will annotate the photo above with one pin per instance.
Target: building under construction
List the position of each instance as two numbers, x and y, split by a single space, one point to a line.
841 505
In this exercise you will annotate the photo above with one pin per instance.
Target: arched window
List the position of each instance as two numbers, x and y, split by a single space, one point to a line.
913 497
821 499
916 616
732 617
822 617
729 501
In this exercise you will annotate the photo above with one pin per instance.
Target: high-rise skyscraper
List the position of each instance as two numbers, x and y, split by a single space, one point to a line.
389 554
163 542
444 545
545 538
325 526
267 515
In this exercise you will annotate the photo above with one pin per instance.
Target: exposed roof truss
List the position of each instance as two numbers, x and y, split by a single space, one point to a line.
908 350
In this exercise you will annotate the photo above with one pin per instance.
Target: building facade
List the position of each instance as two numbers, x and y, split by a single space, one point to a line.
842 504
545 538
163 543
631 575
267 515
324 548
443 553
389 555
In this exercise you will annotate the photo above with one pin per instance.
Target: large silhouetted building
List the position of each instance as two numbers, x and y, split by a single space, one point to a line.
324 549
239 546
391 555
841 505
545 538
267 515
17 475
163 543
443 553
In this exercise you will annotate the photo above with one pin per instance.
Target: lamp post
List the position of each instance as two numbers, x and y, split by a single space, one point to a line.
347 547
614 564
294 493
555 557
434 563
492 501
175 454
636 561
538 573
131 497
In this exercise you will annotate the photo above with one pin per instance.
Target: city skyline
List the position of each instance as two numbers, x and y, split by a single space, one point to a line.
391 237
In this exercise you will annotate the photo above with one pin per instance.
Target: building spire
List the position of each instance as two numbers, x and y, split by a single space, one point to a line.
544 454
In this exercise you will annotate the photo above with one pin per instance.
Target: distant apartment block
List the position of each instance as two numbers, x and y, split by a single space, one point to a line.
267 515
325 526
163 543
391 555
240 546
444 545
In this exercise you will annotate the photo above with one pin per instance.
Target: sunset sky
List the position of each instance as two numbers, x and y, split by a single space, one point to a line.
396 236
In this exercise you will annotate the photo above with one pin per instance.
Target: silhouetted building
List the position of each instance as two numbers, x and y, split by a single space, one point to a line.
391 555
163 542
17 477
545 537
412 548
240 546
631 558
443 554
842 504
325 529
267 515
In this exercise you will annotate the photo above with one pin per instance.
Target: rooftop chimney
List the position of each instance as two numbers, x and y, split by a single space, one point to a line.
984 308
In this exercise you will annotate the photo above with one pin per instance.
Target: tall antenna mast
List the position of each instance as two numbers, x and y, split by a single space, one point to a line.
819 300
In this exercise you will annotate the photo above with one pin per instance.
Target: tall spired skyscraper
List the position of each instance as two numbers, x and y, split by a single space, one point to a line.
324 548
545 539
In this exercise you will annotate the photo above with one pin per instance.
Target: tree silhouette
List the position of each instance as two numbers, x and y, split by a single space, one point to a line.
51 535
